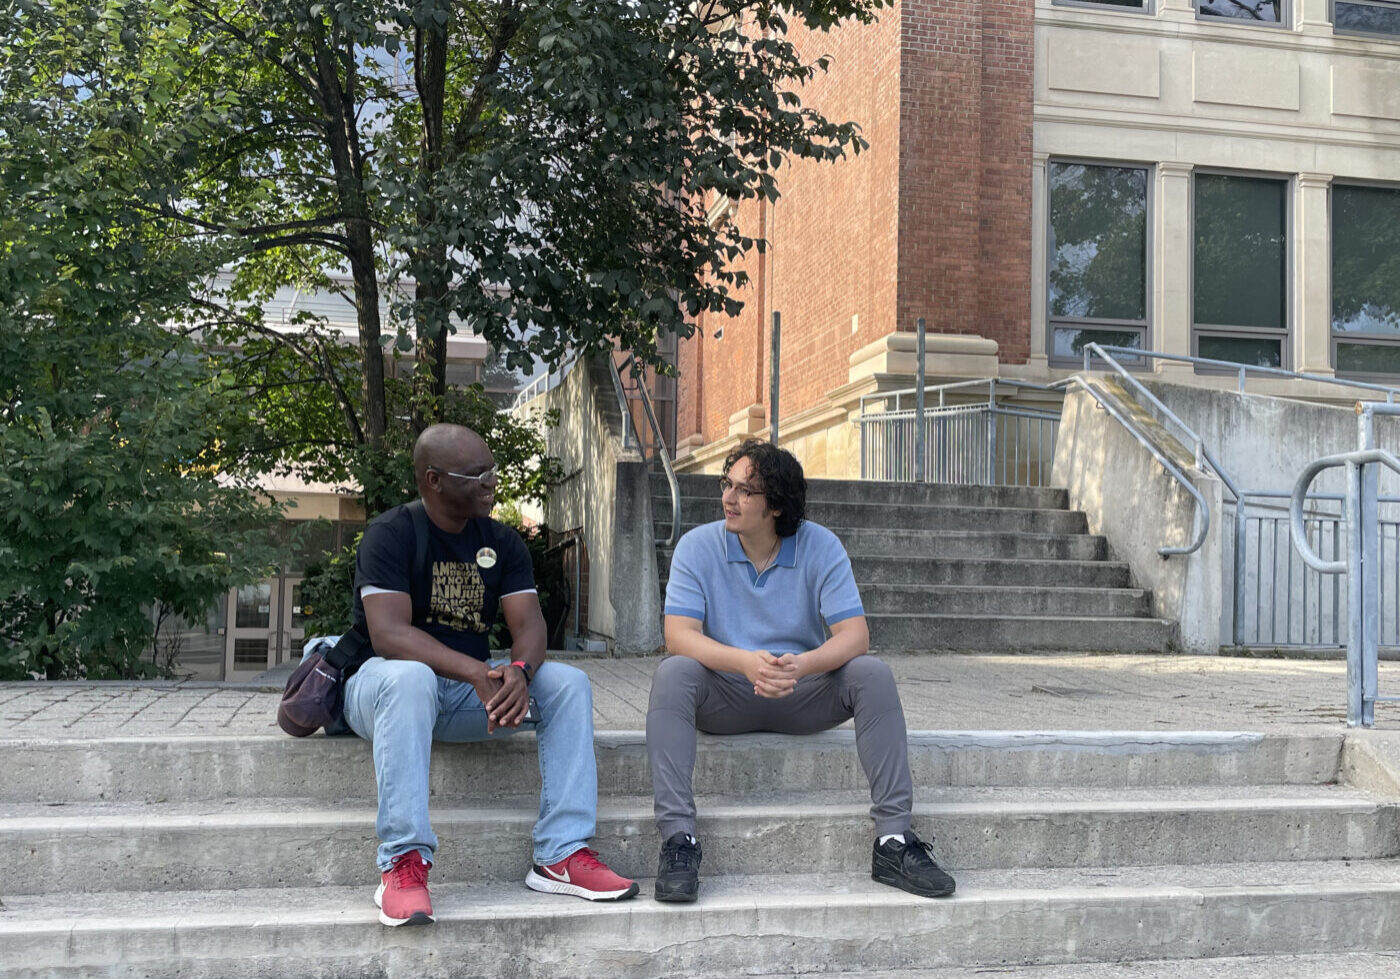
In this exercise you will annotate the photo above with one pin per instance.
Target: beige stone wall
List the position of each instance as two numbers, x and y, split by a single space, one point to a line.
1182 94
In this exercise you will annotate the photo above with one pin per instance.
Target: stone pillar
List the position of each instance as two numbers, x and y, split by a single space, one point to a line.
1171 264
1311 321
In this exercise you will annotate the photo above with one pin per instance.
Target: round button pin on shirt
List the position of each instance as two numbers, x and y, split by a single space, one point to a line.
486 557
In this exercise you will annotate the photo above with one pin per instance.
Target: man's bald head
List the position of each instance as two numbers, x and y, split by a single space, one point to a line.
447 447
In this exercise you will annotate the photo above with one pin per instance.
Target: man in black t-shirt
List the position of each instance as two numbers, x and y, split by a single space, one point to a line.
432 678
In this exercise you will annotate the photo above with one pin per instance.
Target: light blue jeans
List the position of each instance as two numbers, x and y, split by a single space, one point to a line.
402 707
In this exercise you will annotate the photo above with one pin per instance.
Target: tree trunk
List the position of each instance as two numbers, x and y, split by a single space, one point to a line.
430 263
343 138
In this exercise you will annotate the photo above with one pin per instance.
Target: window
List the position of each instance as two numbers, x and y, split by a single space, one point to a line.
1366 280
1139 5
1251 11
1240 269
1366 17
1097 256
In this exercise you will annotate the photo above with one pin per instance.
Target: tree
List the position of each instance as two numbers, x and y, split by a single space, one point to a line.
110 418
537 170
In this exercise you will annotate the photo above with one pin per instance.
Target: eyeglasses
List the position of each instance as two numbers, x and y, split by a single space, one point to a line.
491 473
745 492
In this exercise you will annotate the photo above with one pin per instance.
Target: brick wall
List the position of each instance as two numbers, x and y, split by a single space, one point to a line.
933 219
965 170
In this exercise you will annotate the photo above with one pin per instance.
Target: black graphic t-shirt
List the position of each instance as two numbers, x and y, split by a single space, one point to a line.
468 574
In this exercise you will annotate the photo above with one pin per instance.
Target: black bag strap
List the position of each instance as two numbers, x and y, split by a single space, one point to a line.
354 647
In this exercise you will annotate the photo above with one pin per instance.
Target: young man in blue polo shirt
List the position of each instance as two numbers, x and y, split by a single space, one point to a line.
745 605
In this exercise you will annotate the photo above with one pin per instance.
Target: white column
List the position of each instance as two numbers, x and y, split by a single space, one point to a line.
1171 264
1311 315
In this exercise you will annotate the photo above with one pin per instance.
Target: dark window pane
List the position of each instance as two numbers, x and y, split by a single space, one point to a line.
298 616
250 652
1098 241
1260 11
252 608
1368 358
1368 18
1135 4
1069 342
1365 260
1254 351
1241 251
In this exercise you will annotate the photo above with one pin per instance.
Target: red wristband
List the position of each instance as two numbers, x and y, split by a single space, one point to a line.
525 668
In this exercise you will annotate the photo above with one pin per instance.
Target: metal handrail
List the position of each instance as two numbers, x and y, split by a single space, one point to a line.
1300 492
1198 445
545 383
1363 639
1243 369
1202 508
942 390
631 361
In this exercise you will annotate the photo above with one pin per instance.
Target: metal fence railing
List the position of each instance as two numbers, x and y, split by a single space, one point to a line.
982 442
1280 600
1366 556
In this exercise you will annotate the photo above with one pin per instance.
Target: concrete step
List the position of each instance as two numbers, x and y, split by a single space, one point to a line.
294 843
882 570
1007 600
873 571
741 926
911 632
881 541
706 487
857 515
188 769
1336 965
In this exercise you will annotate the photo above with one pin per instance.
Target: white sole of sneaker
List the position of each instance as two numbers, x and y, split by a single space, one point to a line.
417 918
546 886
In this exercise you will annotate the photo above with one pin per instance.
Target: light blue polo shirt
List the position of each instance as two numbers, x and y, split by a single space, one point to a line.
781 610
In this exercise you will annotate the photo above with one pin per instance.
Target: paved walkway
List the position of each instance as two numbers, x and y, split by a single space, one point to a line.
952 692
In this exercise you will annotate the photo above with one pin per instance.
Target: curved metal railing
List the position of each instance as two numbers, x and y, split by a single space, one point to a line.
630 362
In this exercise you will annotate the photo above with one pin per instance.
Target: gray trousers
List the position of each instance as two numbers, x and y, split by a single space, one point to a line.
686 697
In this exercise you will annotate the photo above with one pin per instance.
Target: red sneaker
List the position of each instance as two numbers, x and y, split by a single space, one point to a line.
403 892
583 875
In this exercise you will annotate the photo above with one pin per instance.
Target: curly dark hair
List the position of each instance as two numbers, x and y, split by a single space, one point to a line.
784 486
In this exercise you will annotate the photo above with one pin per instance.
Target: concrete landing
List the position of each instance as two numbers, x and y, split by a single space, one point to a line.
986 691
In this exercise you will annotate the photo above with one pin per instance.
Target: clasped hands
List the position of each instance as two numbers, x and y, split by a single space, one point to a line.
773 676
506 695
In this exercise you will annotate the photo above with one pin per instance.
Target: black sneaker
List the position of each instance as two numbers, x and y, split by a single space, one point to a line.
909 866
678 870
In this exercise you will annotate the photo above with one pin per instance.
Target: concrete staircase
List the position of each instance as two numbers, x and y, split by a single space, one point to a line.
252 857
941 566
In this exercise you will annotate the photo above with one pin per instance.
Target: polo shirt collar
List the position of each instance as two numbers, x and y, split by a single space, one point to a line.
787 551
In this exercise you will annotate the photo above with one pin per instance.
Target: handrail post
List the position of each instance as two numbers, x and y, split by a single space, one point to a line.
1241 542
1367 536
919 381
774 356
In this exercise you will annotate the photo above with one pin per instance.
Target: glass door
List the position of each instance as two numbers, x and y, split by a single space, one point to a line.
293 632
251 645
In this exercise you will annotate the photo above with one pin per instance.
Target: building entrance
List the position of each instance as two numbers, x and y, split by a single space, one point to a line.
265 626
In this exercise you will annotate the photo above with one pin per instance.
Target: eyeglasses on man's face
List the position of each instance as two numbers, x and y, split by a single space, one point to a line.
745 492
480 477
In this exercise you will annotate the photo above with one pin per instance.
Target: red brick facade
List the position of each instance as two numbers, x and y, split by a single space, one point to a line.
932 220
